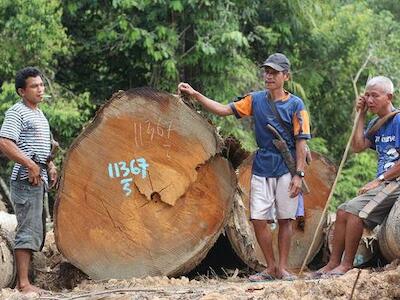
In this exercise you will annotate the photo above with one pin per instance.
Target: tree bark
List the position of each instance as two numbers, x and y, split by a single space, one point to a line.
144 190
8 223
320 176
5 197
389 234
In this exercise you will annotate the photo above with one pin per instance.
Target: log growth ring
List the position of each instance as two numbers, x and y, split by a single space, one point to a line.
143 189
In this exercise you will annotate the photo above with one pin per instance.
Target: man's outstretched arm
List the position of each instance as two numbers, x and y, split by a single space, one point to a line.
209 104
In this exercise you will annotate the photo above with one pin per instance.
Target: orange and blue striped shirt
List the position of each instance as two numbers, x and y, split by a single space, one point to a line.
269 161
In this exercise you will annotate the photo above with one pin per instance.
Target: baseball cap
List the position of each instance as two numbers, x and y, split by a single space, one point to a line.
277 61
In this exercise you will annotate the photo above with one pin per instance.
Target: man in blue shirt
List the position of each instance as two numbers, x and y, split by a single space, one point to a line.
386 142
272 186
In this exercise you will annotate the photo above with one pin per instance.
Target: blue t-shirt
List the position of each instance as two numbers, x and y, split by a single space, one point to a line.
268 161
386 142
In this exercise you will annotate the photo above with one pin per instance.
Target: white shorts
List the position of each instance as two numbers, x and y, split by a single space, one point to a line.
271 195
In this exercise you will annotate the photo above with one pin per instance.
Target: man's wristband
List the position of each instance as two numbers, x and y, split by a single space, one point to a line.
381 177
300 173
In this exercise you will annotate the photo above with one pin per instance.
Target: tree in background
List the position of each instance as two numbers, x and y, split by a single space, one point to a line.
32 34
89 49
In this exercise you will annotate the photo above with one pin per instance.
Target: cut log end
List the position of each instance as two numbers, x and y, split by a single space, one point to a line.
143 190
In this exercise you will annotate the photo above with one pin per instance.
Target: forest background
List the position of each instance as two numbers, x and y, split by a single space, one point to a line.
89 49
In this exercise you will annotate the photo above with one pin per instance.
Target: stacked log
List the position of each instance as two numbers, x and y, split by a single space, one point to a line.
144 190
320 176
8 224
389 234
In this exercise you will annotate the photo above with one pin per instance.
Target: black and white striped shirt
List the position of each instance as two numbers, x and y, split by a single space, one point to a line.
30 130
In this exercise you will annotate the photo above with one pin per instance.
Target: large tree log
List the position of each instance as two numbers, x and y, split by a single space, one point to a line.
5 197
389 234
320 176
8 224
143 189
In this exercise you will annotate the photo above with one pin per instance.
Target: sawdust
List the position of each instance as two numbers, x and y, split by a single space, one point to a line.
382 284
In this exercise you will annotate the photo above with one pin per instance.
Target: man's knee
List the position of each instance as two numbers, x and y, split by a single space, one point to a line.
259 224
284 222
341 214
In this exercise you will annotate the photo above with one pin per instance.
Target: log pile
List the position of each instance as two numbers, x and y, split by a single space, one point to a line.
144 190
8 224
389 234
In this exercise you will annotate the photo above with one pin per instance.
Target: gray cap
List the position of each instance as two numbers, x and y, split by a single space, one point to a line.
277 61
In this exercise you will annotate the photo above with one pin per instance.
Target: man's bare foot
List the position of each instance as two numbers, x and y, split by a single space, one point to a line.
267 275
324 270
339 270
271 271
29 288
286 275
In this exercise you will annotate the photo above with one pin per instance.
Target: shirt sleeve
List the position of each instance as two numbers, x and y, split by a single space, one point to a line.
12 126
243 107
301 123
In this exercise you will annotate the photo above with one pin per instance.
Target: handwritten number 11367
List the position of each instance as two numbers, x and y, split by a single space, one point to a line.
122 169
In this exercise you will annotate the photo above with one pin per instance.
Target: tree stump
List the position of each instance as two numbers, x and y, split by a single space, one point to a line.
389 234
144 190
320 176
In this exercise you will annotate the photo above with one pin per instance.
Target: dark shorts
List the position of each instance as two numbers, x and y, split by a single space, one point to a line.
378 215
28 207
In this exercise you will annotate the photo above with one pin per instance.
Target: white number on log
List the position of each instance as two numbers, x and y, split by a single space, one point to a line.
115 170
152 130
126 186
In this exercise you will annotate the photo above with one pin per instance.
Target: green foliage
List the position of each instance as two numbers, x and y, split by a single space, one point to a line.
157 43
94 48
31 33
319 145
66 113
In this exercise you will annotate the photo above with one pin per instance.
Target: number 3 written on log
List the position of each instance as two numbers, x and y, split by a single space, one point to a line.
118 169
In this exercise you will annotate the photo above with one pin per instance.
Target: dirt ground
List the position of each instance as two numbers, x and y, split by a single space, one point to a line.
66 282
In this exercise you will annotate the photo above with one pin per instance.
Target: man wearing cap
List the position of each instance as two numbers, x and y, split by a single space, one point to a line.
272 186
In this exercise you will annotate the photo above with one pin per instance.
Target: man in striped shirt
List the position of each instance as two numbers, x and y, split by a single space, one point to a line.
25 138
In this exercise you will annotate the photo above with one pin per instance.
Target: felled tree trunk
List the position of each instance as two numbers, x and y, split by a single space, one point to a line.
320 176
8 224
143 189
389 234
5 201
